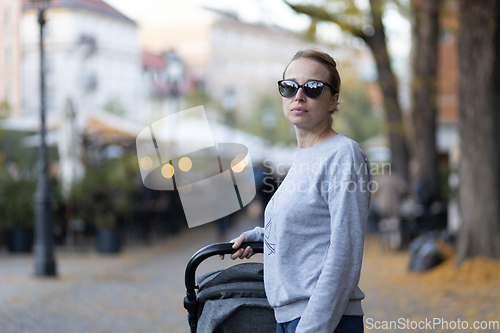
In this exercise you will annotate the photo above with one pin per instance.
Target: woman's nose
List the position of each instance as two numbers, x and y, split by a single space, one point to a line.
300 96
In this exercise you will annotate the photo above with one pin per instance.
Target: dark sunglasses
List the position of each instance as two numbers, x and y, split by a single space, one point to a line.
312 88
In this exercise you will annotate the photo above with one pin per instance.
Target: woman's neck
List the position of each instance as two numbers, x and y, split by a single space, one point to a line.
308 138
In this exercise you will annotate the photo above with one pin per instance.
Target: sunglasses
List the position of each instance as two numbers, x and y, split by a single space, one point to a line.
312 88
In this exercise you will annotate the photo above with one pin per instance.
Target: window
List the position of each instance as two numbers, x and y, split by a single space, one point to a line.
446 35
49 98
7 50
8 90
7 17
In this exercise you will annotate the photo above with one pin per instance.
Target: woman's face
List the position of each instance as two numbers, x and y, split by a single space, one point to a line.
302 111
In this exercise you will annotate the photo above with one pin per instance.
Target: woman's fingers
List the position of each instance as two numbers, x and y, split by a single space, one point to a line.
250 252
247 253
244 254
237 254
238 241
241 253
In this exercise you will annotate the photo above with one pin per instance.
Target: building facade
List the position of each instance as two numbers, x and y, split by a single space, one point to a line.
92 54
447 132
234 61
166 82
10 58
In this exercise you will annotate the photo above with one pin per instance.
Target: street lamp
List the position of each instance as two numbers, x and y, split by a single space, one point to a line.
45 264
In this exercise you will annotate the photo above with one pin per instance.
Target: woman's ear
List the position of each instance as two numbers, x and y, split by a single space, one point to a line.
333 102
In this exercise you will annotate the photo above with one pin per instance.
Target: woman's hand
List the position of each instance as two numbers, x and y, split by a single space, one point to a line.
241 253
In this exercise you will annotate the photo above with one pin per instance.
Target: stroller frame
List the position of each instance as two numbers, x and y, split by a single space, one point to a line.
190 301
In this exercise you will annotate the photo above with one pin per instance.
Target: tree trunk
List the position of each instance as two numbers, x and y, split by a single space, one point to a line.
425 32
386 78
387 81
479 100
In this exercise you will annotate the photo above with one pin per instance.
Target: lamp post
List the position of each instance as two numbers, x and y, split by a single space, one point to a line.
45 264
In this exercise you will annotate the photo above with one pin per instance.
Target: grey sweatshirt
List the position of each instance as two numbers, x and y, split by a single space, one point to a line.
314 234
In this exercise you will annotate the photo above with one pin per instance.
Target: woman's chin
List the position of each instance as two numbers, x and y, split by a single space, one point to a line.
304 126
295 120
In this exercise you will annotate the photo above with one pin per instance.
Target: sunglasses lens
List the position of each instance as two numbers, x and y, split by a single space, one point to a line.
288 88
313 89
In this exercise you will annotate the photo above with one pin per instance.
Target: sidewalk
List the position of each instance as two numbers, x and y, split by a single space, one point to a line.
469 293
140 290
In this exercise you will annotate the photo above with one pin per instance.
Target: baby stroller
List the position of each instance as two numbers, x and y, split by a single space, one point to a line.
228 300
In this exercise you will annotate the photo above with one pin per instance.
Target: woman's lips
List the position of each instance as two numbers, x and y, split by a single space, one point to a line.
298 110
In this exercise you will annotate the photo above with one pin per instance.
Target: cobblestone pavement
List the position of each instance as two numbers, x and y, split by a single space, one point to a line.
403 299
140 290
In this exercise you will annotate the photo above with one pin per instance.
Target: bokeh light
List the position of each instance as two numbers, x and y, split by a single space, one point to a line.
167 170
237 165
146 163
185 164
243 158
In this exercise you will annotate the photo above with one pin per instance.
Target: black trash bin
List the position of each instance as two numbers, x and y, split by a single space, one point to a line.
108 240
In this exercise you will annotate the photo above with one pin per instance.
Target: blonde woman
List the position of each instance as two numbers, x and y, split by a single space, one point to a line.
315 222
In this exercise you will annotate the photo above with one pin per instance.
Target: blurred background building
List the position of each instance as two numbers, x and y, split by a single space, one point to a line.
93 56
10 58
230 60
447 129
121 74
104 61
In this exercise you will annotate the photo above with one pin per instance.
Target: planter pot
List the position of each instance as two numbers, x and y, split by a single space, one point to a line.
108 240
20 240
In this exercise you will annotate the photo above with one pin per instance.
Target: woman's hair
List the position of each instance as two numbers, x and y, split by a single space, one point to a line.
327 61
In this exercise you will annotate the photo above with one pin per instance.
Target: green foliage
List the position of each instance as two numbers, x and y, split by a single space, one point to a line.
106 220
344 13
105 192
356 117
16 200
5 109
11 149
115 107
18 174
282 129
200 97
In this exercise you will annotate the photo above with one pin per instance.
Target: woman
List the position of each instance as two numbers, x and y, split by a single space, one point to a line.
316 220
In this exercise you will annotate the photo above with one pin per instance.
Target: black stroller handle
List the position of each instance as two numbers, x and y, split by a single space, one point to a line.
210 251
196 260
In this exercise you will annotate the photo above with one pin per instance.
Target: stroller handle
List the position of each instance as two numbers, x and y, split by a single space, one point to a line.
190 279
207 252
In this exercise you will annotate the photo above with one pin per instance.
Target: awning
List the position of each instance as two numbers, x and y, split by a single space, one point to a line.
111 129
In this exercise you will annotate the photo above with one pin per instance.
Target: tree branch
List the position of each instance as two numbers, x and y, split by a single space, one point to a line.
321 14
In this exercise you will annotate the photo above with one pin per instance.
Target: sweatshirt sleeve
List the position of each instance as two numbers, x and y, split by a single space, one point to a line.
255 235
348 200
